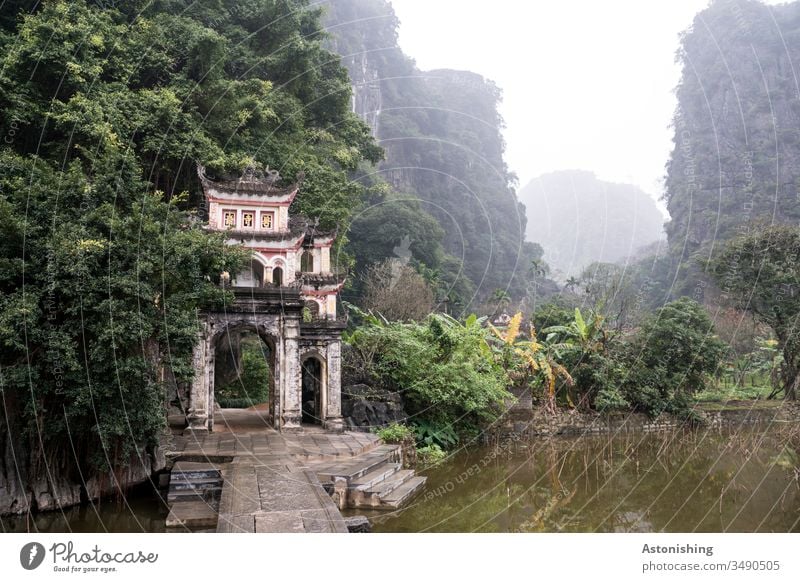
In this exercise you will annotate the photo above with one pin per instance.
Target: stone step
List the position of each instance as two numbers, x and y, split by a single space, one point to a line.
196 484
188 469
404 493
357 467
192 515
375 476
389 485
203 495
373 496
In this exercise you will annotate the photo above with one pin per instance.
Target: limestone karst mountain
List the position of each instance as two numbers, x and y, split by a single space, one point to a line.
579 219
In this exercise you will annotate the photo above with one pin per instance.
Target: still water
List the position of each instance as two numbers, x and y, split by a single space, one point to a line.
143 511
704 481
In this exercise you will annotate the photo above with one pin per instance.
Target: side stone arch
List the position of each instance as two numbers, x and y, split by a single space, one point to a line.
306 357
327 349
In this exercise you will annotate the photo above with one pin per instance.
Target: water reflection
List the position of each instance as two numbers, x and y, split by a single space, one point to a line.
704 481
143 511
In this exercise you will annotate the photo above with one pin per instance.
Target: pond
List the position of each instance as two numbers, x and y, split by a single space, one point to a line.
701 481
142 511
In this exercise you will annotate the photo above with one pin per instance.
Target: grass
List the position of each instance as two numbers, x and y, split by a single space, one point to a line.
753 388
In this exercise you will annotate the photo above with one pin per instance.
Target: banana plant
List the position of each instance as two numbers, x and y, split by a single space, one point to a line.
578 334
537 359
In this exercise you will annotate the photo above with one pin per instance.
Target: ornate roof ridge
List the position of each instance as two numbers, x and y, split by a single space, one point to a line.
252 181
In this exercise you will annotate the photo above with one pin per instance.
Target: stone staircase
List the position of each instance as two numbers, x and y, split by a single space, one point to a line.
193 495
374 480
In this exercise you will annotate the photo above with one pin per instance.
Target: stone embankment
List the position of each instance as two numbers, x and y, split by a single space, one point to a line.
523 422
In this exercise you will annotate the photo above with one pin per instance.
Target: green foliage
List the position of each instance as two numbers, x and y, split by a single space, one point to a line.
430 455
671 358
609 398
759 272
252 383
238 402
435 434
107 107
395 433
444 369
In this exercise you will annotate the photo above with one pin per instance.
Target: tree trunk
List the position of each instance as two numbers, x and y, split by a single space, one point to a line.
791 375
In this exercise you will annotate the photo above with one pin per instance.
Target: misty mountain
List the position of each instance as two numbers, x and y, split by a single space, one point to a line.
578 219
442 134
736 152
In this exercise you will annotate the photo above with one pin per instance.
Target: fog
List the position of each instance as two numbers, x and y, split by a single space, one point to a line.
587 85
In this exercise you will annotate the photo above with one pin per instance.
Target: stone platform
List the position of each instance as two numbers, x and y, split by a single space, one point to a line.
254 479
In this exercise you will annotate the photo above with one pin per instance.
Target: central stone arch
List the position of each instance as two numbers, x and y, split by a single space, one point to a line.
231 334
273 314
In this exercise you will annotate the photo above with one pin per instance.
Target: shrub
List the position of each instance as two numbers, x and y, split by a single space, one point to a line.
395 433
609 398
671 358
237 402
444 369
430 455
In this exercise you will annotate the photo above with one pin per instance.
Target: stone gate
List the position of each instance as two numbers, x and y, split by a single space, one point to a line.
287 296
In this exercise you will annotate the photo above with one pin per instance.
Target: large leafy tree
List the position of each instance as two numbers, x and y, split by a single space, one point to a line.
107 108
759 272
671 357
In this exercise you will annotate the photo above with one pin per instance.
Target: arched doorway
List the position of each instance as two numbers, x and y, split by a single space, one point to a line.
244 373
313 390
251 277
277 276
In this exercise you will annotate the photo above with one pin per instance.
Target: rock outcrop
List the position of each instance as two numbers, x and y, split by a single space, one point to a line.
364 407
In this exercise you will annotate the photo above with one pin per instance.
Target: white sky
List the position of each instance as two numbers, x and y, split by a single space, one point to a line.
587 84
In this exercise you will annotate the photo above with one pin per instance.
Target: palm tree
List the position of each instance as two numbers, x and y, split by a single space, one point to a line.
537 268
571 283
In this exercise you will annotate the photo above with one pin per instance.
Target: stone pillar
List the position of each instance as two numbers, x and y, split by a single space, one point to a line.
200 408
291 379
333 412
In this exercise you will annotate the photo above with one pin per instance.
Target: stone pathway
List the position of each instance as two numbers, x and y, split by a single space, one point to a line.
278 498
268 480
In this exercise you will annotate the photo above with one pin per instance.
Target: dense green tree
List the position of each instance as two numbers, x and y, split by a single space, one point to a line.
107 108
759 272
671 357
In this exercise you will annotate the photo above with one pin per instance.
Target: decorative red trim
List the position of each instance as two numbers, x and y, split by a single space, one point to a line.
296 246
